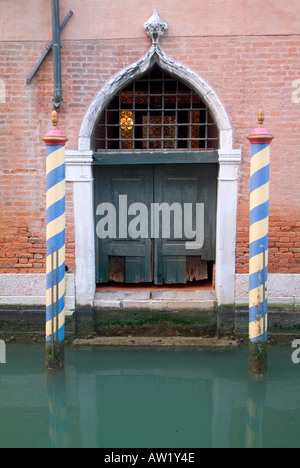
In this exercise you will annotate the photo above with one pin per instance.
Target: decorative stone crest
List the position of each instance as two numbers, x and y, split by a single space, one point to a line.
155 28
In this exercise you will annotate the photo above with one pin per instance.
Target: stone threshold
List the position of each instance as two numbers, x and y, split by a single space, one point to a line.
156 300
178 341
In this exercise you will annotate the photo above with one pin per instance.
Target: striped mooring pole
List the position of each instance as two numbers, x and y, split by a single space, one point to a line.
55 142
260 139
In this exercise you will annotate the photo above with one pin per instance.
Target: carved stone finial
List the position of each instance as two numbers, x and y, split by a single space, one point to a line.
261 117
155 28
54 119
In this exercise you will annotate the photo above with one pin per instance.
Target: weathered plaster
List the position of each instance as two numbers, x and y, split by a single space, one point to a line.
282 289
30 290
109 20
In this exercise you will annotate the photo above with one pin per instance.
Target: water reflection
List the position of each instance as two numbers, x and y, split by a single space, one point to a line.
59 433
148 398
257 384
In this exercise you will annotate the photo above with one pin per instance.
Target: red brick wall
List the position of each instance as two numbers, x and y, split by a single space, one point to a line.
246 72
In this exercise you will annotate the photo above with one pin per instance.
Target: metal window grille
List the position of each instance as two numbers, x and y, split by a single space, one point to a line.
156 113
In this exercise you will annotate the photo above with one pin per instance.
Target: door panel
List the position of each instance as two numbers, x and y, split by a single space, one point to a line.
174 270
135 182
174 191
178 186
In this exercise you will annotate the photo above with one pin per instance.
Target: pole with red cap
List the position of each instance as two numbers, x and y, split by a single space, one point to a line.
260 139
55 141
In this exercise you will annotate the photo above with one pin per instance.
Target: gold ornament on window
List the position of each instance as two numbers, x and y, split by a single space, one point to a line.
126 120
126 124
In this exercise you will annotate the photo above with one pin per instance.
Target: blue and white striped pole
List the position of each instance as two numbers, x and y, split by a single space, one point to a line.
55 141
260 139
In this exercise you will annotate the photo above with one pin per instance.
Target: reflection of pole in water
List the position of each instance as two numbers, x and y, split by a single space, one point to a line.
255 410
260 140
222 393
58 417
88 414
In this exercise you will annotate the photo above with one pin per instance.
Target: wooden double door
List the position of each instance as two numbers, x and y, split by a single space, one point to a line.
145 217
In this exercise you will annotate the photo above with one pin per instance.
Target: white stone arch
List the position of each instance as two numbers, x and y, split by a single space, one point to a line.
126 76
79 171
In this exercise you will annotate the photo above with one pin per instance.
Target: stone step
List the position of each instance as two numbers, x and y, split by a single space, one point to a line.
156 300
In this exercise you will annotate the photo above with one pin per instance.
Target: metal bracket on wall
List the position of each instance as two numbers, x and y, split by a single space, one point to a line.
48 48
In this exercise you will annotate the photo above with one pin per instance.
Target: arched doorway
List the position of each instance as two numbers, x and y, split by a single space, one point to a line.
80 172
155 168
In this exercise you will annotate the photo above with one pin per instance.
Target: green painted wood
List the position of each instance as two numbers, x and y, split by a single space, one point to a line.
111 159
137 183
184 184
174 268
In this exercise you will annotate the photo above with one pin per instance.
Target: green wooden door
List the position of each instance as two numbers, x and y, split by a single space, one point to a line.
194 189
119 256
179 201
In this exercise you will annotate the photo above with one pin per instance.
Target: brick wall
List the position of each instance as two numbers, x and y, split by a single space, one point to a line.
247 72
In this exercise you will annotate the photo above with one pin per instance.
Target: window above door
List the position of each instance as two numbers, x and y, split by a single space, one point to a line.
156 112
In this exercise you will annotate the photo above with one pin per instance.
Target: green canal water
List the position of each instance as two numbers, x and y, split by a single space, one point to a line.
148 398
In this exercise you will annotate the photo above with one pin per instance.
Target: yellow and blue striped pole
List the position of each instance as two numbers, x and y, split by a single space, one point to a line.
55 141
260 139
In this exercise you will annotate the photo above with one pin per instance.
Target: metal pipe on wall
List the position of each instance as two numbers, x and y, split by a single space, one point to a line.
57 100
